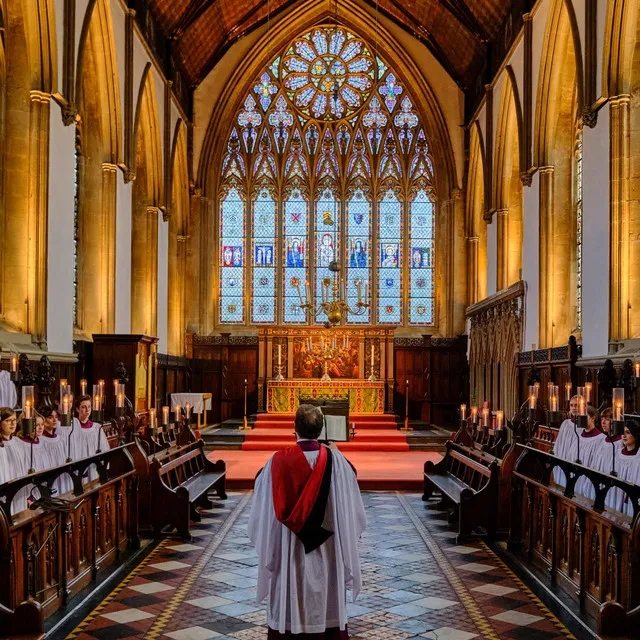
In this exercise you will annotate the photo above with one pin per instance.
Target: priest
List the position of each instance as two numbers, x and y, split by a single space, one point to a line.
305 523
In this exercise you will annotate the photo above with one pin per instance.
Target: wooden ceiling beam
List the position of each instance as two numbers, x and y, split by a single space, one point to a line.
191 15
459 9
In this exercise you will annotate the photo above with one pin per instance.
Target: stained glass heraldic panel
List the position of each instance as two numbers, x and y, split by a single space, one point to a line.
327 159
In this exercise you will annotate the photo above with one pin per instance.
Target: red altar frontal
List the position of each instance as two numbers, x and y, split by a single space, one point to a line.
354 363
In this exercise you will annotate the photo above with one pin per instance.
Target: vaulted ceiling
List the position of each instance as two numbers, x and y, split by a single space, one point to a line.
456 31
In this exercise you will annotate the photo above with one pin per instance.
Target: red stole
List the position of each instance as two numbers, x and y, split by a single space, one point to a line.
300 494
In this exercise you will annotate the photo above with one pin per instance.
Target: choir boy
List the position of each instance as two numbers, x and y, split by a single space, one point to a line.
14 450
88 437
55 439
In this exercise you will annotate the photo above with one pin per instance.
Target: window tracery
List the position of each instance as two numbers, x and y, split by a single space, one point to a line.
327 158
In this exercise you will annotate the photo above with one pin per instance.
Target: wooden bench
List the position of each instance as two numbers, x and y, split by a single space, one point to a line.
26 622
467 484
182 484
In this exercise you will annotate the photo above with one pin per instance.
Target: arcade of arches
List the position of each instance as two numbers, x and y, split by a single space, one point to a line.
465 176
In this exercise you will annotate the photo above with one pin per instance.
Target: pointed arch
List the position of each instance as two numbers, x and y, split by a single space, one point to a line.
97 158
507 184
558 126
178 237
476 224
145 211
29 34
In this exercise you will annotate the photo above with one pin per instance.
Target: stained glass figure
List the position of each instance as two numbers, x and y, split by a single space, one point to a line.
265 89
327 241
390 90
358 273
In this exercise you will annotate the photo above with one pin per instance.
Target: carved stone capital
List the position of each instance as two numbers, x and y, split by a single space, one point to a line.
166 214
589 116
526 178
39 96
69 112
457 193
129 176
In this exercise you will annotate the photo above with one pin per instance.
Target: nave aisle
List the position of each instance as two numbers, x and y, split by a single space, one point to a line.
417 584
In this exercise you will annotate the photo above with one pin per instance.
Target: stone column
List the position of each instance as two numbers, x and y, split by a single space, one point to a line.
472 252
546 310
619 193
108 248
502 276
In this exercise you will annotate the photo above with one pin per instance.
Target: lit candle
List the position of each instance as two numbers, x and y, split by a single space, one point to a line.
588 386
96 402
485 417
474 414
83 387
499 419
636 369
63 382
27 409
152 418
536 387
553 405
14 364
101 385
187 411
582 407
567 389
532 402
618 412
116 382
120 400
165 415
65 404
176 412
463 411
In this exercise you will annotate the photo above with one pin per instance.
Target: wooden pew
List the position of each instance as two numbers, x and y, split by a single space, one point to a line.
544 438
25 623
181 484
51 552
470 486
586 549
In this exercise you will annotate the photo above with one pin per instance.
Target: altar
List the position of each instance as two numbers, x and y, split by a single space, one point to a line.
342 363
364 397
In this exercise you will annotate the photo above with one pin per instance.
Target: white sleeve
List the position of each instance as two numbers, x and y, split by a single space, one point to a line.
350 521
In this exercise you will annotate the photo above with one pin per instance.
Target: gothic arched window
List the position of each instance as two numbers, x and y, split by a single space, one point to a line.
327 158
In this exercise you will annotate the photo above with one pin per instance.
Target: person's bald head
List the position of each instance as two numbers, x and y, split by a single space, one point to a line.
309 421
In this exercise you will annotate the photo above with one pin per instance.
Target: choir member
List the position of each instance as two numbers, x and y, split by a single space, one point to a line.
87 436
306 520
604 457
34 443
17 464
591 441
627 466
565 436
55 439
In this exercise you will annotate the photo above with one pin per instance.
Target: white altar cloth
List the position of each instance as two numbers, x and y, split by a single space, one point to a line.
199 401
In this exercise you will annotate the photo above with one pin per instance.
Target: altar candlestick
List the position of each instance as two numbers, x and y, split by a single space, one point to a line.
279 355
299 293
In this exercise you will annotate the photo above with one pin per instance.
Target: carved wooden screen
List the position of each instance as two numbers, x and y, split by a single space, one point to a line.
326 159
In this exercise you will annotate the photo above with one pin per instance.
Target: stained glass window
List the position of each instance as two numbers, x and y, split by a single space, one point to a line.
231 251
263 303
327 149
390 259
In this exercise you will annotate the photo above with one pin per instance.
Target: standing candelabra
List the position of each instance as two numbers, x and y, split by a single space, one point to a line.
406 426
245 424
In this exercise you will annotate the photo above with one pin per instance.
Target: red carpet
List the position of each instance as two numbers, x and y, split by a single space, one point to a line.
382 471
273 431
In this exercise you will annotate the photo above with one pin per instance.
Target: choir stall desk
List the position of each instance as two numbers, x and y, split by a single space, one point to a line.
199 402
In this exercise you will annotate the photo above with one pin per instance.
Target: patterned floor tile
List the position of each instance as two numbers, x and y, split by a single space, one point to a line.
416 583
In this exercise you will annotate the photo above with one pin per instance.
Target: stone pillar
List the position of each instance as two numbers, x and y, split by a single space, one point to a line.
546 315
108 248
621 275
472 252
502 275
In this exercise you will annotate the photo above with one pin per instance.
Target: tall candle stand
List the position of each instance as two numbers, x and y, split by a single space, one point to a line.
405 426
279 377
372 377
245 424
28 421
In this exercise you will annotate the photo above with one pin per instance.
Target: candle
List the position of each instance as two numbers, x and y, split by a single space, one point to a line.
65 404
27 409
165 415
536 387
582 408
532 402
463 411
101 385
485 417
553 404
63 382
636 369
618 404
187 411
587 387
499 419
279 355
176 412
152 418
567 390
14 364
83 387
308 290
618 411
372 359
474 414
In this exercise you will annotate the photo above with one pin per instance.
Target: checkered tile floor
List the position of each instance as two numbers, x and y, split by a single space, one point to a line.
417 583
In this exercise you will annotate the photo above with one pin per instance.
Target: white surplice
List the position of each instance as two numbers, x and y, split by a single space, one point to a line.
627 468
307 592
561 446
57 448
18 466
84 444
